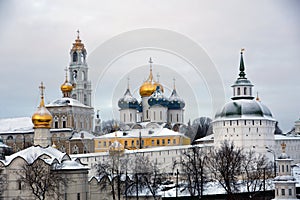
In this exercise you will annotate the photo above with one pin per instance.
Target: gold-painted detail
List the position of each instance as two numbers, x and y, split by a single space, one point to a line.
42 118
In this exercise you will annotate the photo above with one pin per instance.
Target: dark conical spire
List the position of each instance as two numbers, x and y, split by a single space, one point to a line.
242 66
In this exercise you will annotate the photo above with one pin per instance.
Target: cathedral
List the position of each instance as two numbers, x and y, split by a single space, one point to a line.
154 106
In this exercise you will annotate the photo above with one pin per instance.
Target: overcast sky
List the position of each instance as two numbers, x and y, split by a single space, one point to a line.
36 37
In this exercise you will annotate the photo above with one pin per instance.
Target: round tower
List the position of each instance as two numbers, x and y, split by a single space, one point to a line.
244 120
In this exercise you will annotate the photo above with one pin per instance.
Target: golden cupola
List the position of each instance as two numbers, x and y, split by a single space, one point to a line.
66 88
149 86
78 45
42 118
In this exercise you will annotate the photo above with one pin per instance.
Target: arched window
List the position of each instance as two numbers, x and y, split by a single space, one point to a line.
130 117
75 57
238 91
245 91
147 114
160 114
171 118
83 75
177 117
124 117
154 115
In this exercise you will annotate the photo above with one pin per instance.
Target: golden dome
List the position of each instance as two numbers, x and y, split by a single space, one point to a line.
66 87
147 89
42 118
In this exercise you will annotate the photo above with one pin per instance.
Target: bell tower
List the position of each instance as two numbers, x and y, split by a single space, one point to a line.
78 70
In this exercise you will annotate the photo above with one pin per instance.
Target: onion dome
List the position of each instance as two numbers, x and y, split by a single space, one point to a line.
149 86
128 101
78 45
42 118
66 87
157 98
175 102
244 108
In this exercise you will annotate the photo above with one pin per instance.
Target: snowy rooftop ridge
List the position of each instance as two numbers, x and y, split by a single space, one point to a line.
16 124
49 155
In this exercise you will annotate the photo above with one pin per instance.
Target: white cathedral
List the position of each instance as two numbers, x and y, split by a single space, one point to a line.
154 105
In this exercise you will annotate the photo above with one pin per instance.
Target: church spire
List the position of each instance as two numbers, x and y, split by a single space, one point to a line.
242 87
242 66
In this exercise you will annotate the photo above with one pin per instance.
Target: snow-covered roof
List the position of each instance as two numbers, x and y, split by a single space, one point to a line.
147 132
82 135
66 101
244 109
287 137
18 124
49 155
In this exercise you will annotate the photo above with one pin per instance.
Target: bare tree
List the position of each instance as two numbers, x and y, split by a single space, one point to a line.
225 166
112 170
256 169
146 175
3 182
193 165
41 179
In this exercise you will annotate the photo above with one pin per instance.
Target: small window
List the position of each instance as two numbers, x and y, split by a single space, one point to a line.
245 91
125 143
287 168
238 91
160 115
163 141
75 57
290 192
109 143
174 141
19 185
169 141
64 124
152 142
282 168
132 143
283 192
142 143
157 142
78 196
56 124
104 144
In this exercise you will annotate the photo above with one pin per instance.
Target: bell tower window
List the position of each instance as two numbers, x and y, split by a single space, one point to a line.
238 91
75 57
245 91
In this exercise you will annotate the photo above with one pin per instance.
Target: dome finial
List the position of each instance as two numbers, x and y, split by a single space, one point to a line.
42 88
157 76
174 81
242 66
128 79
257 97
78 32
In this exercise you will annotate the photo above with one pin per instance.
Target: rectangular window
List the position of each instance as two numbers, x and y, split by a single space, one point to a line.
282 167
132 143
56 124
163 141
125 144
137 142
157 142
174 141
283 192
142 143
290 192
104 144
152 142
78 196
169 141
109 143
